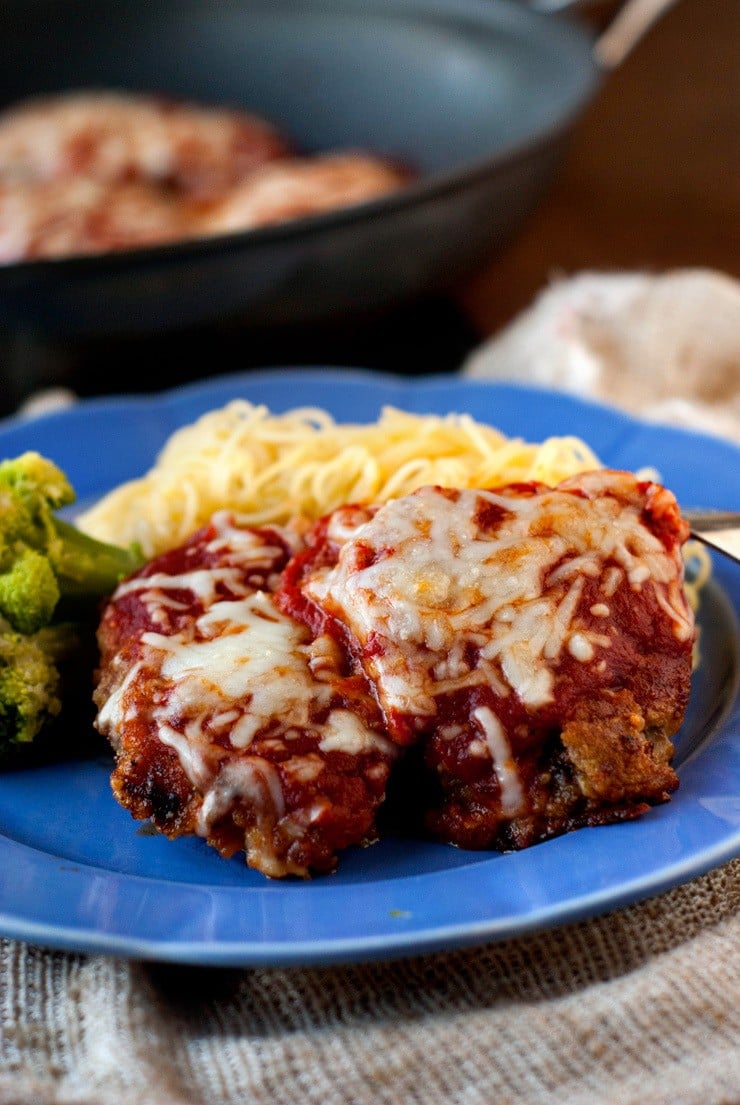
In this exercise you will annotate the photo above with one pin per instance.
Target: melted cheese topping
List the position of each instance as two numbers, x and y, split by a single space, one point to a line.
244 654
425 577
295 188
240 551
237 671
512 795
247 668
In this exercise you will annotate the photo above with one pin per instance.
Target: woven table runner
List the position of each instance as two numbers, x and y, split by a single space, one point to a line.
638 1007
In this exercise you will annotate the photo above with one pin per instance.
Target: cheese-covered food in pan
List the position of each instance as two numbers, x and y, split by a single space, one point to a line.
118 137
98 171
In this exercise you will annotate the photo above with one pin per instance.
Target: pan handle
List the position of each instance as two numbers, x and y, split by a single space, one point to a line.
628 26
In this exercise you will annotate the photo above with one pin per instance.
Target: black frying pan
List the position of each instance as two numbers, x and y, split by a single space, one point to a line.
477 95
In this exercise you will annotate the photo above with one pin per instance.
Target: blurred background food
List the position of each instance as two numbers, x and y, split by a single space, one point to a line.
481 96
476 95
99 170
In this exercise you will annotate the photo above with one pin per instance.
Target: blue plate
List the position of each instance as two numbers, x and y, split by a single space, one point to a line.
77 872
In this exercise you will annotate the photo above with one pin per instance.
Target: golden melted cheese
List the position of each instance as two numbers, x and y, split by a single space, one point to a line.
243 654
436 580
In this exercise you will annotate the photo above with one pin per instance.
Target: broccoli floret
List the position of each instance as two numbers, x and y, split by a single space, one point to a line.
30 682
44 559
49 570
30 574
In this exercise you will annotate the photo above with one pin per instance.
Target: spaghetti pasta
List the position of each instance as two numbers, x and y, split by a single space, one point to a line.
274 467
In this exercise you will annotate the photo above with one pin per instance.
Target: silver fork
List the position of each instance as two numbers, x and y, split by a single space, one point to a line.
720 529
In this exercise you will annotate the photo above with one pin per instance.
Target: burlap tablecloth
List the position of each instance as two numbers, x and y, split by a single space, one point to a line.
638 1007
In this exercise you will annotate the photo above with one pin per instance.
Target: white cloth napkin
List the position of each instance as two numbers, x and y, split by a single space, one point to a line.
663 347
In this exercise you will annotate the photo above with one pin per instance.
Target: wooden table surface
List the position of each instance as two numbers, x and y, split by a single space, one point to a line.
652 177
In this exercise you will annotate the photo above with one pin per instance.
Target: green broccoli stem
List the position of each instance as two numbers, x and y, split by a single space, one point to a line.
87 568
50 572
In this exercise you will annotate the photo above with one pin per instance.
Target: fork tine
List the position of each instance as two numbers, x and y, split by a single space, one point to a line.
719 529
